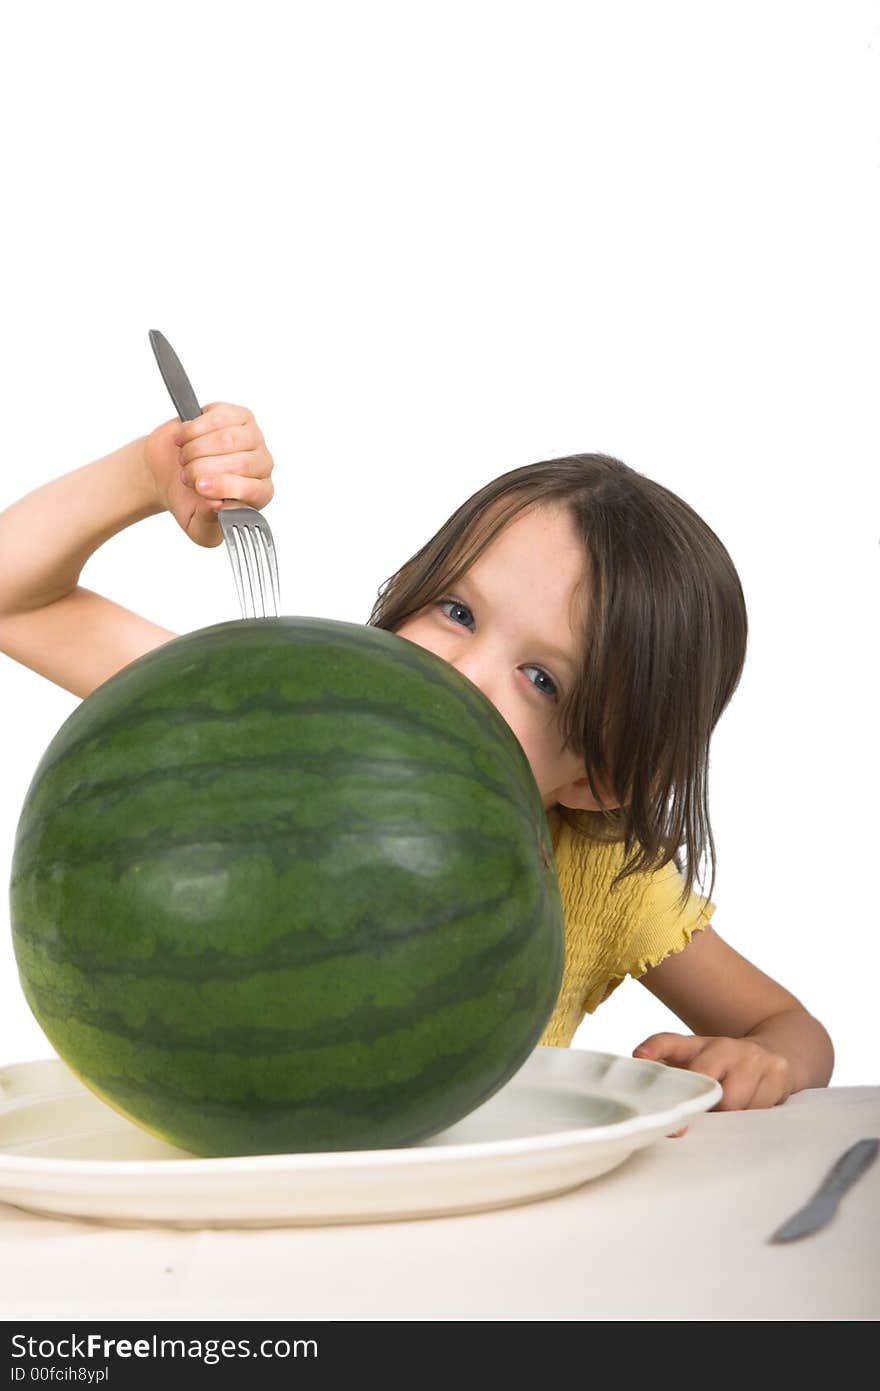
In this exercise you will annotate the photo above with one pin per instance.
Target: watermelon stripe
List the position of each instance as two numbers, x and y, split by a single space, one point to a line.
478 976
296 947
191 705
344 1118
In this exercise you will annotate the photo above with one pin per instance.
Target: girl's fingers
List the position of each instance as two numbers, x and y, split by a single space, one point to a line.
772 1090
215 416
253 492
220 443
247 463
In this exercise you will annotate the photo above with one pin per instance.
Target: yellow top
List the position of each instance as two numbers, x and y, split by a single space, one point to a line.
609 936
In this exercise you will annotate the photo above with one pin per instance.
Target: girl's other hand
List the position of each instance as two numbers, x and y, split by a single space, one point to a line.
222 448
751 1076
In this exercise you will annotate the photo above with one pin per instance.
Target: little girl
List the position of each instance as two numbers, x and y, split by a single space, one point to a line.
604 620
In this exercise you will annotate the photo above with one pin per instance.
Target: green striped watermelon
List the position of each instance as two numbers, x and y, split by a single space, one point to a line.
284 885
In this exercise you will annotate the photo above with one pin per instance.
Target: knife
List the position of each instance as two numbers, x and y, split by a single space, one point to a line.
823 1204
174 377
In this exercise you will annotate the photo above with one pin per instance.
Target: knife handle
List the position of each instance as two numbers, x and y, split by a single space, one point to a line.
853 1162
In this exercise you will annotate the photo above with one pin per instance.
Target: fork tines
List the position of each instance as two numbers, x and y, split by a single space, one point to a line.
252 553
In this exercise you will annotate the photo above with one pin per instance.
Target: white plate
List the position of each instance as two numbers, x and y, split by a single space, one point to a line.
565 1117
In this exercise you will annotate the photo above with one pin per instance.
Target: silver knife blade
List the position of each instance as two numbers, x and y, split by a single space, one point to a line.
823 1204
178 383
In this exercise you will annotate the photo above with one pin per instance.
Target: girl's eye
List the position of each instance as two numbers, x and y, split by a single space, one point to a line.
552 693
442 603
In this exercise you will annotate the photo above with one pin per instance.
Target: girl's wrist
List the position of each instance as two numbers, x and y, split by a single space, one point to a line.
146 497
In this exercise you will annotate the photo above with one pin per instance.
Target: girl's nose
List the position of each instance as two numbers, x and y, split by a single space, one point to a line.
479 670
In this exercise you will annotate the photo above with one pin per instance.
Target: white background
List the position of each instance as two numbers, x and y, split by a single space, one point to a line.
428 243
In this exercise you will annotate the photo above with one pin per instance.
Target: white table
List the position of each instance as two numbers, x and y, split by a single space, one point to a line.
676 1232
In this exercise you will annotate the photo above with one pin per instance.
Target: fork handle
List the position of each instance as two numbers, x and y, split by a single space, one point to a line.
179 385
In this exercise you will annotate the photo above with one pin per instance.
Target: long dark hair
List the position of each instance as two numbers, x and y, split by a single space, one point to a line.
664 643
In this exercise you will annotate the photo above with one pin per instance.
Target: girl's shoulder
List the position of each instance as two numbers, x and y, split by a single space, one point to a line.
586 839
591 825
615 928
590 855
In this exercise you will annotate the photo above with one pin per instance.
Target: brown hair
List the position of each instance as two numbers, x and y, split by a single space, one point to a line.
664 642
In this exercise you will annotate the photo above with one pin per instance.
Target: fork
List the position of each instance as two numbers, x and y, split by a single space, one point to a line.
246 532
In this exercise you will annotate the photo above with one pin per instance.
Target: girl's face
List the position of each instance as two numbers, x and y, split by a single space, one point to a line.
510 626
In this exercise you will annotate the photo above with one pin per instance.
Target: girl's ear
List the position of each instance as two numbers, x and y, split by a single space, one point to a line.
578 797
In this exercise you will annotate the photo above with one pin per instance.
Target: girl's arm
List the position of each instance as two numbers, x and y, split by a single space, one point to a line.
48 622
77 638
749 1033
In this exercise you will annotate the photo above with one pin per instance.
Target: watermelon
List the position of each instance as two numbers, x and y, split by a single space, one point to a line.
285 885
